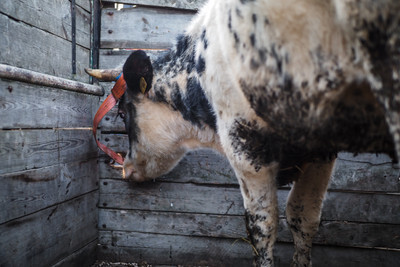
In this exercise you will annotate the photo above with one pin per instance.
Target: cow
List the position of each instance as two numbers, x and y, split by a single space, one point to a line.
279 88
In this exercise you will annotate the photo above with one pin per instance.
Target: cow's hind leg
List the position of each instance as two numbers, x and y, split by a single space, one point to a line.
303 208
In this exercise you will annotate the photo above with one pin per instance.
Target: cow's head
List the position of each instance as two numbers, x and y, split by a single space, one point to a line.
154 146
156 133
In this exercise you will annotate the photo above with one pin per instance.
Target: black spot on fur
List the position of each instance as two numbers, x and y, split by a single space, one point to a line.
254 64
182 44
236 37
177 100
252 39
287 82
277 58
190 62
230 20
204 39
199 107
262 53
239 13
159 92
193 106
254 18
162 60
201 65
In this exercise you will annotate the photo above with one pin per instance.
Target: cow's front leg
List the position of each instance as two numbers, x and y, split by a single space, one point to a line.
303 209
258 189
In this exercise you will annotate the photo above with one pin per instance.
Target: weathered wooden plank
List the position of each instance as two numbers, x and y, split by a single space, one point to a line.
224 226
85 256
200 166
165 196
174 197
31 149
142 27
24 105
343 233
379 208
187 224
181 4
53 16
155 249
343 256
110 58
172 249
365 172
26 192
28 47
46 237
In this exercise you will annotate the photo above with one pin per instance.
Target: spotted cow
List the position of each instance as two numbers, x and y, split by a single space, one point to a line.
279 88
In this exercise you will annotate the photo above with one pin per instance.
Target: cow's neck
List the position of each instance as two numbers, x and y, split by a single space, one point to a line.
176 84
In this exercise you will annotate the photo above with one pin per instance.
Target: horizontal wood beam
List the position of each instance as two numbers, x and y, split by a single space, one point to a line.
28 76
182 4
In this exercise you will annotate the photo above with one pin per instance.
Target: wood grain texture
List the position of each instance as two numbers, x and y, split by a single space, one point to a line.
31 149
24 105
162 250
227 226
182 197
26 192
366 172
53 16
50 235
173 250
142 27
181 4
172 197
28 47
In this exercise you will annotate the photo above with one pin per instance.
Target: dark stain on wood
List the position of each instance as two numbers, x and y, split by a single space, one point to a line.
28 179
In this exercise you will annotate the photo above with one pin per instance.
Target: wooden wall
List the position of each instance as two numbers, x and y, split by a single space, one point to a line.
194 215
48 159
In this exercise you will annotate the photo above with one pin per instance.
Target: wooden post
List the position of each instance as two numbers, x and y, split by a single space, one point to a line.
24 75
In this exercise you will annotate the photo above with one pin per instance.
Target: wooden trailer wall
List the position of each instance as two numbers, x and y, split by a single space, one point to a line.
194 215
48 159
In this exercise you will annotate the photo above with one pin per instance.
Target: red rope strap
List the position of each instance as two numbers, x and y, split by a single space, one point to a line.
116 93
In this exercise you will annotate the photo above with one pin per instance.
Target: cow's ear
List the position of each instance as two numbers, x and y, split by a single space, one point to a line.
143 85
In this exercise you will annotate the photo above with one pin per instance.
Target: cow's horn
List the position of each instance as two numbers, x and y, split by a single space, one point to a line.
105 75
